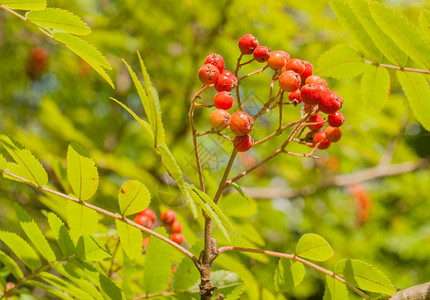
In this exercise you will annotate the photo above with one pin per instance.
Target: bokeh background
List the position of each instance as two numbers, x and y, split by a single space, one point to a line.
383 221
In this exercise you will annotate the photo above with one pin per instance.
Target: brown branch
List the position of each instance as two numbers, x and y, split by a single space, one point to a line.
416 292
427 72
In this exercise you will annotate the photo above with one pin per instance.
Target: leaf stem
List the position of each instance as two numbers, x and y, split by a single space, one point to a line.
427 72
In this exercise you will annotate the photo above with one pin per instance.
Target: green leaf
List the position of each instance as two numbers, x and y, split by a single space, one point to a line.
364 276
27 165
416 88
24 4
375 87
11 265
424 20
389 49
87 52
82 220
61 234
3 162
228 283
59 19
312 246
158 266
402 32
34 234
186 274
133 197
63 285
334 289
288 274
341 61
88 248
205 202
348 18
82 172
236 205
143 123
48 288
111 291
21 249
131 239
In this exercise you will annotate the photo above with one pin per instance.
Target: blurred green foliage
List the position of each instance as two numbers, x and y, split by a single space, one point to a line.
69 102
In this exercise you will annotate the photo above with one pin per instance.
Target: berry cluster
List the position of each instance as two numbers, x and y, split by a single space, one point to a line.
147 218
294 77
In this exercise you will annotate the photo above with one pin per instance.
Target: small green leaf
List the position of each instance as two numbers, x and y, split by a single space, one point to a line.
312 246
3 162
186 274
228 283
21 249
11 265
364 276
158 266
417 90
236 205
82 220
59 19
65 286
424 19
133 197
109 288
34 234
82 172
27 165
341 61
334 289
88 248
131 239
375 87
61 234
24 4
288 274
48 288
87 52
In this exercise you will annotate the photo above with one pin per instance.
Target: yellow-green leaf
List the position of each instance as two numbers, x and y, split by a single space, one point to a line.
131 239
24 4
424 19
11 265
21 249
288 274
315 247
82 220
61 234
341 61
334 289
133 197
59 19
375 87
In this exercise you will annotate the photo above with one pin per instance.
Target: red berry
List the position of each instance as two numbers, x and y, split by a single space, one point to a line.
321 138
168 217
308 70
295 65
149 213
241 123
216 60
333 134
37 62
223 100
330 103
296 95
278 59
143 220
317 118
220 119
261 54
289 81
312 94
243 143
248 43
176 227
226 81
178 238
315 80
336 119
208 74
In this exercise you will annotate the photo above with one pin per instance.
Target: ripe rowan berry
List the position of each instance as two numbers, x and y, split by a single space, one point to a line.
295 96
321 138
149 213
241 123
312 94
168 217
278 59
243 143
261 54
295 65
220 119
315 80
143 220
317 118
223 100
37 62
289 81
216 60
226 81
308 70
336 119
178 238
248 43
208 74
333 134
176 227
330 103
